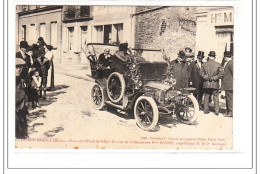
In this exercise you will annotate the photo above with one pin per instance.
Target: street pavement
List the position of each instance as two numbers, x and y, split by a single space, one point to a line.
66 119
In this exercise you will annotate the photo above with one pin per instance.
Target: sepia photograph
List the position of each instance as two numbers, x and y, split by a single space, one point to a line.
124 77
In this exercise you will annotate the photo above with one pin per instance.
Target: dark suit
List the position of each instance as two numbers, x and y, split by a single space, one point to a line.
196 79
211 72
24 73
227 85
105 62
181 74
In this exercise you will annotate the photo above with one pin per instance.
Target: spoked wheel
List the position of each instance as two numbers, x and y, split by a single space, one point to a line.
115 87
188 110
146 113
97 95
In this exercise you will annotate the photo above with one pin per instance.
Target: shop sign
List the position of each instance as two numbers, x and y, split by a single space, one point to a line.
221 18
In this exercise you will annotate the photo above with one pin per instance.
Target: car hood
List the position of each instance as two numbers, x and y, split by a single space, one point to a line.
157 85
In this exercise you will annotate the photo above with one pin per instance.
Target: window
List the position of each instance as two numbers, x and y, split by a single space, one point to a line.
84 11
99 31
32 7
43 30
84 32
70 38
225 38
54 34
107 34
119 32
24 32
32 37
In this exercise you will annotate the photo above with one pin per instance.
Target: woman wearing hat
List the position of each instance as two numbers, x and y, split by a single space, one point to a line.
49 56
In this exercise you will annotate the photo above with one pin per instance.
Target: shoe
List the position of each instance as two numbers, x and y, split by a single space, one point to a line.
216 113
33 106
37 104
206 112
44 98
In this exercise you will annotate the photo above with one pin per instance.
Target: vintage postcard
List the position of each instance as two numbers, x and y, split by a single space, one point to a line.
124 77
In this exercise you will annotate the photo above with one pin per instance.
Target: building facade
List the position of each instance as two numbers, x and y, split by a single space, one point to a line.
76 32
70 28
215 30
36 21
168 28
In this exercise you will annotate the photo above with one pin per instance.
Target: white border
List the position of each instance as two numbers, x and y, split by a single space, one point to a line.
239 157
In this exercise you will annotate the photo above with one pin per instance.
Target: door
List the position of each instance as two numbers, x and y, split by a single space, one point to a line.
84 30
70 38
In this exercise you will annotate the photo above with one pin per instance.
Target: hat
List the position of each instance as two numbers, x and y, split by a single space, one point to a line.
188 50
212 54
123 46
49 47
227 54
19 96
19 62
40 39
24 44
30 48
181 54
200 54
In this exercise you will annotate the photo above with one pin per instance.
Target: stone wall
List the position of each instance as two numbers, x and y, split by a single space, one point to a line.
168 28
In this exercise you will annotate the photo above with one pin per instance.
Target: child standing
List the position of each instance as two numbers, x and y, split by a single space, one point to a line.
36 85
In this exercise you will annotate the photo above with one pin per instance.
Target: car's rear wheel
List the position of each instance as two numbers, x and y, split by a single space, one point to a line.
115 87
97 95
146 113
188 110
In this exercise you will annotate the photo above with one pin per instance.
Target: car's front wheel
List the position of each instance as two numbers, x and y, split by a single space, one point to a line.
187 110
146 113
97 95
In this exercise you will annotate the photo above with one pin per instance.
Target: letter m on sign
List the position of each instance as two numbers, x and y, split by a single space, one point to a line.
228 17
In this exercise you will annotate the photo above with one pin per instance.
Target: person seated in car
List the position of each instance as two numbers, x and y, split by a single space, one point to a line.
120 58
104 59
104 63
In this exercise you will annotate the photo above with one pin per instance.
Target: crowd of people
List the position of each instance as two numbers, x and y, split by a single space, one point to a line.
207 76
34 76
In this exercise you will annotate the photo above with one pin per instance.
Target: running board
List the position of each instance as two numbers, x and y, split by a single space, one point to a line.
115 105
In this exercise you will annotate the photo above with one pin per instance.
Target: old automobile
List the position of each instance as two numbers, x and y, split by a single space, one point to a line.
140 80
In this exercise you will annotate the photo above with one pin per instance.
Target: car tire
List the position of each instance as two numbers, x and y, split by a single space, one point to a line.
97 96
146 119
119 80
191 119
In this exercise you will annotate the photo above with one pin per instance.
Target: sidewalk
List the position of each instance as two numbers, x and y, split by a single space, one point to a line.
79 70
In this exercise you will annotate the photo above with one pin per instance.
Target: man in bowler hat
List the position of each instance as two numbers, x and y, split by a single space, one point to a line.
211 72
180 71
227 82
196 80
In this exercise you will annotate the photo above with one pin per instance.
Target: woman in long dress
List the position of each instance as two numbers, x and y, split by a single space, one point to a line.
49 56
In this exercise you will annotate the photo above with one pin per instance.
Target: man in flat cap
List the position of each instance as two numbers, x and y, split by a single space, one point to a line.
180 71
227 82
21 128
211 72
